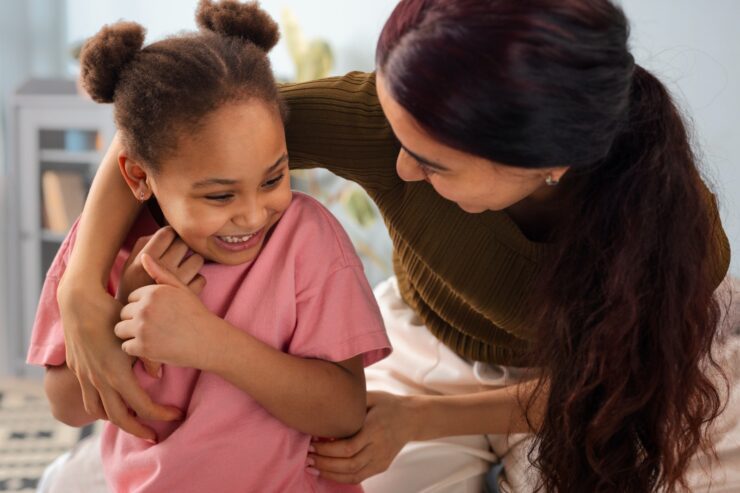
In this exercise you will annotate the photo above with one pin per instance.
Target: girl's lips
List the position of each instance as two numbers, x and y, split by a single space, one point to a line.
245 245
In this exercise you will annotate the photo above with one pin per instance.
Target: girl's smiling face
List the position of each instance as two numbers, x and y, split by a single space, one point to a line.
226 185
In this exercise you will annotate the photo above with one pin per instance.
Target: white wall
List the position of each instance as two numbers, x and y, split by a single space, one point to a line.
32 44
350 26
694 47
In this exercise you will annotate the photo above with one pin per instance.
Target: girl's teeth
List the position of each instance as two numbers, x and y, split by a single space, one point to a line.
236 239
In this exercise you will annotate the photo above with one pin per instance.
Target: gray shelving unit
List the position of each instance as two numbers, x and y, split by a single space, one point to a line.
51 127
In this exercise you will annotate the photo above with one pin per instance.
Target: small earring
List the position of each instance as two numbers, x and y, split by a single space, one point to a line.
142 196
550 181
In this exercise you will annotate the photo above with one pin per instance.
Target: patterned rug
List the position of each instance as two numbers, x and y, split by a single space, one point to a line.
30 438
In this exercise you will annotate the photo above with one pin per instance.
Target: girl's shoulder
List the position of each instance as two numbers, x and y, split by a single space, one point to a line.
310 243
317 231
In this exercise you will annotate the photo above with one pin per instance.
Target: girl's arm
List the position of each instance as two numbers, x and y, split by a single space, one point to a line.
89 313
167 323
65 397
316 397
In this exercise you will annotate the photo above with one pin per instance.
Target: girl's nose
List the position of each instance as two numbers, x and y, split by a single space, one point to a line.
251 219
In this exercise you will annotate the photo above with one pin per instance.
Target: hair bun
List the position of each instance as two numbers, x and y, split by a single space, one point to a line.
244 20
105 55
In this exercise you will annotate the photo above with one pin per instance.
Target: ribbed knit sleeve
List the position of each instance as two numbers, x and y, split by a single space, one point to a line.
338 124
467 276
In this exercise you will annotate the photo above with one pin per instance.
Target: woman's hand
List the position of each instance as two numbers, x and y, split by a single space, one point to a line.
109 387
388 427
165 323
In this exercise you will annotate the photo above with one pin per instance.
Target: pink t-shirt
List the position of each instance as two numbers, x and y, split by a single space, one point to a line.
305 294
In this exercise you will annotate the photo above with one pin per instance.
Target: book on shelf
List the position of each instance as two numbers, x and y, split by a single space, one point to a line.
64 196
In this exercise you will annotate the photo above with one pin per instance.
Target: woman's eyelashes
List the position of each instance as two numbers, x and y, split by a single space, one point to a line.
425 169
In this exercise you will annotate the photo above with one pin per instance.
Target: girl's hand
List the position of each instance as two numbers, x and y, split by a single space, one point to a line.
169 250
164 323
109 387
388 427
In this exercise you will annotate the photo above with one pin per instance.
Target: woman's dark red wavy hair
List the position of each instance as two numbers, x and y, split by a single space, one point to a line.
625 307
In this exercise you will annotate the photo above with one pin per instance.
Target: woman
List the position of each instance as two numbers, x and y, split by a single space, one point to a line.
556 256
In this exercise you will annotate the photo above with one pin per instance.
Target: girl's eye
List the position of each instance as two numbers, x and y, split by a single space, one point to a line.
220 198
272 183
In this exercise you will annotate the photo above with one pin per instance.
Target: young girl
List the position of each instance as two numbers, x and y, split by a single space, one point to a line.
274 349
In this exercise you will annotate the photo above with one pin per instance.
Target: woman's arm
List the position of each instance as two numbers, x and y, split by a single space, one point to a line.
167 323
107 382
392 421
338 124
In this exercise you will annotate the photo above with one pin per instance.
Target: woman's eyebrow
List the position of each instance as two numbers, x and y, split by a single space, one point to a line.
426 162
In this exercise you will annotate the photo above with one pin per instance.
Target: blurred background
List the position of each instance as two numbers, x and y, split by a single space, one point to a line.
51 139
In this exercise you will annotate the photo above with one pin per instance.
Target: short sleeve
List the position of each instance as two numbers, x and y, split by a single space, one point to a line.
341 320
47 337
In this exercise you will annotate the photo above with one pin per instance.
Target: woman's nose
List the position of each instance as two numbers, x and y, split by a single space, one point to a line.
407 168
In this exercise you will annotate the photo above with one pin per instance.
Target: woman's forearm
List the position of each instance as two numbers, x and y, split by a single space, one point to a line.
65 397
499 411
110 210
314 396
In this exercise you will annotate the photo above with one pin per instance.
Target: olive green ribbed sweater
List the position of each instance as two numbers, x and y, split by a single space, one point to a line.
466 275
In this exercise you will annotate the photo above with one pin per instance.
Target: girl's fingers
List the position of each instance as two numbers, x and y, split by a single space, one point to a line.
159 242
153 369
129 311
197 284
187 270
131 347
158 272
124 330
138 247
172 258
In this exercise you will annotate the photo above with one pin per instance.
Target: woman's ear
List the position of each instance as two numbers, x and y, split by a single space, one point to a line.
135 176
558 173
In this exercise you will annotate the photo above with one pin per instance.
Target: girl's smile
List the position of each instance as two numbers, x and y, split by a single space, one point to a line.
227 183
238 243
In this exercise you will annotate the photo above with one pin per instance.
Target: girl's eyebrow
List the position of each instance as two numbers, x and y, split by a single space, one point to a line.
424 161
277 164
225 181
213 181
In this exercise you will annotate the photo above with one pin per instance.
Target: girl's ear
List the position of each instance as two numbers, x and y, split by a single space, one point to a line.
135 176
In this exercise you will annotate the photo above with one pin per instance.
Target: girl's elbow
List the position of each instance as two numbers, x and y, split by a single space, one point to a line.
64 397
70 417
352 420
